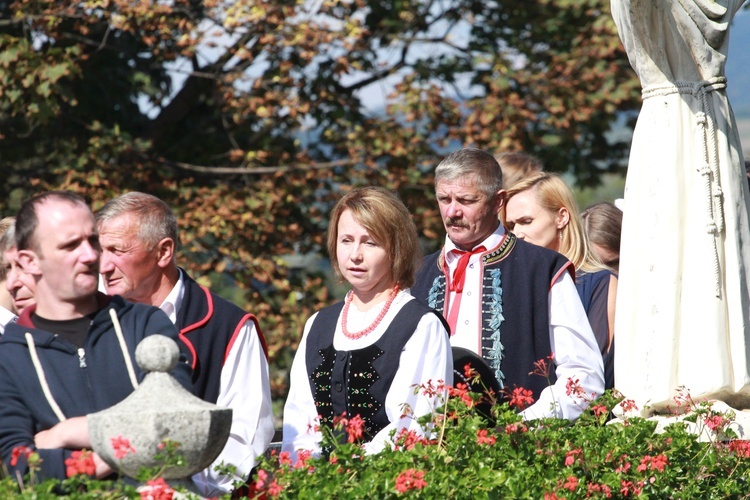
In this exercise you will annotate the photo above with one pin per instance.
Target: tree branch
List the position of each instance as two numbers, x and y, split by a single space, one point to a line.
257 170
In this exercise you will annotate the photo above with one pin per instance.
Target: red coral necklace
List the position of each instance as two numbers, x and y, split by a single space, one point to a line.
345 314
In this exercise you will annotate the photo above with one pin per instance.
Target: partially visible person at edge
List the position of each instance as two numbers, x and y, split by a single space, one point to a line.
363 356
223 344
542 210
65 358
517 166
7 309
19 285
603 225
508 301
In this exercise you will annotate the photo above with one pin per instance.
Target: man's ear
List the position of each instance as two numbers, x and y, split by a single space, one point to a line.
500 198
563 218
29 262
166 252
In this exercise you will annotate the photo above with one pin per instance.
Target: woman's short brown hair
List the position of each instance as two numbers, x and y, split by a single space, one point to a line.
388 222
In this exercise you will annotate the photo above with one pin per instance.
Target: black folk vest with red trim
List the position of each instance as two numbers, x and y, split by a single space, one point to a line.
208 326
517 277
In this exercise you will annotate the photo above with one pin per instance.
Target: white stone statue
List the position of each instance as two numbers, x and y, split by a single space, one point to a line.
683 305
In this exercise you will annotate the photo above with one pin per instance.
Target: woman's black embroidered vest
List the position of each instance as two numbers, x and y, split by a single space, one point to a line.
357 382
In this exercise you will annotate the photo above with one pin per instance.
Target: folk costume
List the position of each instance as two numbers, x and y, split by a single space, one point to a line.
372 376
683 299
226 349
516 305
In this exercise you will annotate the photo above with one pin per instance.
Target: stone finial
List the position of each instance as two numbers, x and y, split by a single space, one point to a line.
157 353
160 410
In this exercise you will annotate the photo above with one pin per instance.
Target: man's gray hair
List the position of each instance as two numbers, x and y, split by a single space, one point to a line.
7 241
472 163
155 218
7 234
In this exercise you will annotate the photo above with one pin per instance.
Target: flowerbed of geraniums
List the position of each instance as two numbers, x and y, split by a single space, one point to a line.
466 455
80 468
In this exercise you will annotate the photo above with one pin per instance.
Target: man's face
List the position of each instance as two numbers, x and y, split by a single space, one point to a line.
67 250
129 267
468 215
20 285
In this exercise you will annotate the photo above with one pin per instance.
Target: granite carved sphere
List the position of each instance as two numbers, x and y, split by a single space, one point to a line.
160 411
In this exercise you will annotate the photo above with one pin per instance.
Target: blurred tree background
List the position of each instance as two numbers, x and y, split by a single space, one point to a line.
251 117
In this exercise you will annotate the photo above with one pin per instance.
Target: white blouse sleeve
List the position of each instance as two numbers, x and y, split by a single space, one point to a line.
246 389
426 357
577 356
300 412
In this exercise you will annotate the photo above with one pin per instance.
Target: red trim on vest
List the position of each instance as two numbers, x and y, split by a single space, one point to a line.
197 324
237 332
567 267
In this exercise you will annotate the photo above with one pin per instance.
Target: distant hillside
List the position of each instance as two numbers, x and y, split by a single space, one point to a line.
738 65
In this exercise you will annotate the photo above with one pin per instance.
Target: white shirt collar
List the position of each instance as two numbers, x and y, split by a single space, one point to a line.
6 317
173 302
490 243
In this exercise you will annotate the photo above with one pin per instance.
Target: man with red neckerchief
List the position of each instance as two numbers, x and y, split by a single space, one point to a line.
507 301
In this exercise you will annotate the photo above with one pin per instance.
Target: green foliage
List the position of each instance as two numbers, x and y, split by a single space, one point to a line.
80 483
251 118
466 456
463 454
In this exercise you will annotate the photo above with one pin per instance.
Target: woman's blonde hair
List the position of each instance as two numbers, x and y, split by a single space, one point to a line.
553 194
388 222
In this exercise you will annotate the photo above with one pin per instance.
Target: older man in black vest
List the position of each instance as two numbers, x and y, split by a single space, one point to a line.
509 302
223 343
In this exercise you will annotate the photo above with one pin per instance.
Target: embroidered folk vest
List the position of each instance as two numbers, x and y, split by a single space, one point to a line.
516 280
357 382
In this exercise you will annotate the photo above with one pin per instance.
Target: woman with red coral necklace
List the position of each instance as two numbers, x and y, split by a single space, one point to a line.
363 356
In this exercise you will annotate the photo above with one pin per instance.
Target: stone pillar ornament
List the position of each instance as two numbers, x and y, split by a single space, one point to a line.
160 409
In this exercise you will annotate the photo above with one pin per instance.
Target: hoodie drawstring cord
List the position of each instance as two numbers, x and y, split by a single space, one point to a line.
124 348
42 378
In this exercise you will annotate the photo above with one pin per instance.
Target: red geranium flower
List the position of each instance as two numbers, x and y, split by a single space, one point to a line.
410 479
572 456
121 446
80 462
285 458
461 391
571 483
542 366
521 398
738 446
19 451
599 410
157 489
354 429
274 489
406 439
483 438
